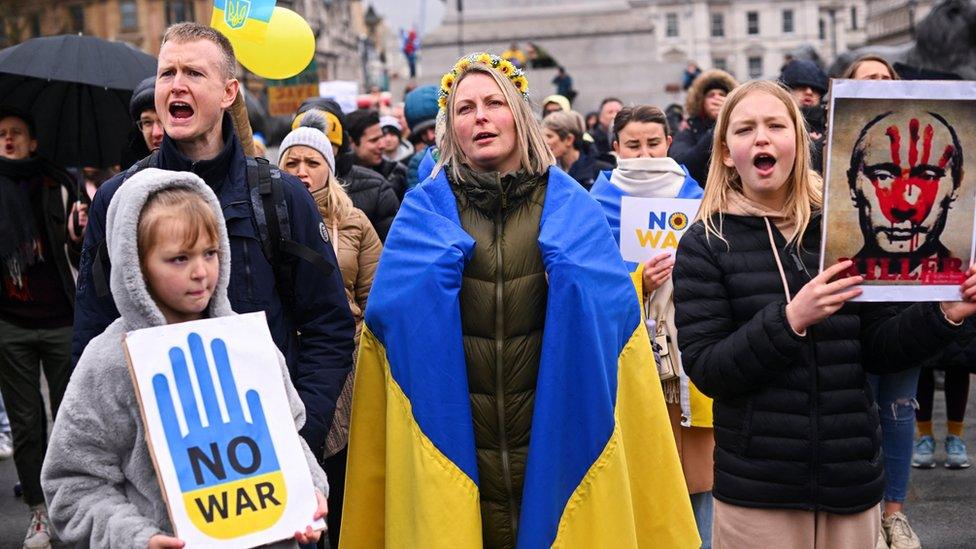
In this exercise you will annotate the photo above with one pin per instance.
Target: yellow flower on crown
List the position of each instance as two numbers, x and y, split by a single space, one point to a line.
521 84
493 62
447 83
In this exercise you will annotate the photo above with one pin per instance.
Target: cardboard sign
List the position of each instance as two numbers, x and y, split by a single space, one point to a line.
285 96
344 92
231 467
896 200
649 226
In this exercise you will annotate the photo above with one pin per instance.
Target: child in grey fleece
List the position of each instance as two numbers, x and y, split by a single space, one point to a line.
98 477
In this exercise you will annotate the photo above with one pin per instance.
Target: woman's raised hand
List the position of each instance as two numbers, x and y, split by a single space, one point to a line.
822 297
957 311
656 271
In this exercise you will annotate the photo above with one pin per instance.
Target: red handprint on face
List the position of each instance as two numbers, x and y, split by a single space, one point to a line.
908 193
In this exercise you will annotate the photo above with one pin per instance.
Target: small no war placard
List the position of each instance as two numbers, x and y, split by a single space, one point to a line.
221 432
650 226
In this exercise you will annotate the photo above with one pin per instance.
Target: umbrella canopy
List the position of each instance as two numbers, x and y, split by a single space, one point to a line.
77 88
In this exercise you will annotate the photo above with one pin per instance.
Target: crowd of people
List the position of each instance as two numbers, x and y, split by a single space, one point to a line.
459 336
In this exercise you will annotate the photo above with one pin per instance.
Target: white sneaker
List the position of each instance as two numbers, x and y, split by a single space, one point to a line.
882 542
900 533
39 531
6 446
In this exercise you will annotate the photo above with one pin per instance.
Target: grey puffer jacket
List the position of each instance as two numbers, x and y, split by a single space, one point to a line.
98 477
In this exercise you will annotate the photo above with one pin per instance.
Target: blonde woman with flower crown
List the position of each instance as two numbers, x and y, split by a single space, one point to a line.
505 394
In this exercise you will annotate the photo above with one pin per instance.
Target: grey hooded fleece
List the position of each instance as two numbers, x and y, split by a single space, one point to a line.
98 477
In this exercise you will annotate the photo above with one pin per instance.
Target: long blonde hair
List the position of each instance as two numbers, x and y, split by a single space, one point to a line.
535 155
335 205
804 186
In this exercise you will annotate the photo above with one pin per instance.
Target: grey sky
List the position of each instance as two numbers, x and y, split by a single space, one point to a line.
405 13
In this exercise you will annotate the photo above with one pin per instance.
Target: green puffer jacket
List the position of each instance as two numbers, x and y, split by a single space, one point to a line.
503 309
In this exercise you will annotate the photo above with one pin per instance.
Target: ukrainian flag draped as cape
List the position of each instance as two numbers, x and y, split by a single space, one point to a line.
602 469
696 408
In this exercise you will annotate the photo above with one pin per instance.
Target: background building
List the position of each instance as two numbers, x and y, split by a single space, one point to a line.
607 46
637 49
892 22
142 23
751 38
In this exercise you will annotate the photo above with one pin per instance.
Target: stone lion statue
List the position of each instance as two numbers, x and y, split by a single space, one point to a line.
945 42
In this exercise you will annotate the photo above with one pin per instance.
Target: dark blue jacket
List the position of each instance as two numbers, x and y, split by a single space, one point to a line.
321 357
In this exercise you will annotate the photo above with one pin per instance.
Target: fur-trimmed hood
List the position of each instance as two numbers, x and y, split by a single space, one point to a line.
135 304
706 81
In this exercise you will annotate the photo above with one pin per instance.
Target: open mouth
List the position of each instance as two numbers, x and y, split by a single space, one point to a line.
897 235
483 136
180 110
764 162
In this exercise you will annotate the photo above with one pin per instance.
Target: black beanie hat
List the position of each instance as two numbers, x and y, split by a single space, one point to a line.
344 159
804 73
143 97
323 104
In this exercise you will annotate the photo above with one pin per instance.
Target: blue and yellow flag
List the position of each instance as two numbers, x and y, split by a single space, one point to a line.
696 408
243 19
602 468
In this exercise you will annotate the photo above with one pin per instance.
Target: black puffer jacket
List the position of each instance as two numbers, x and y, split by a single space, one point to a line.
692 148
795 424
396 175
371 193
961 353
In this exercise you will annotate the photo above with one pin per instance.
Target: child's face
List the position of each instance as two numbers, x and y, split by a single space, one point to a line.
760 143
181 278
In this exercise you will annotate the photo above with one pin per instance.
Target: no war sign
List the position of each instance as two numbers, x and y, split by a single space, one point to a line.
231 467
649 226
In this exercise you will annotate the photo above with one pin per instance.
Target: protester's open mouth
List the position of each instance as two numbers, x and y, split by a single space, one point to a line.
483 137
764 163
180 110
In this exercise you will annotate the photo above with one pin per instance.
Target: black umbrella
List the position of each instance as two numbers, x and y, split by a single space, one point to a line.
77 88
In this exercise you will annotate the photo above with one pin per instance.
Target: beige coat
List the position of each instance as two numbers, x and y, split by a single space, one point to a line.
358 254
358 250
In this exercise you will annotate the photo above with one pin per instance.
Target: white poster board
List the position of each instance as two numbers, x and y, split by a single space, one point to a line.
650 226
343 92
896 199
231 467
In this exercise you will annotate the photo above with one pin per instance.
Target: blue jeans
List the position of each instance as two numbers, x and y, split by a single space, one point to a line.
895 395
701 504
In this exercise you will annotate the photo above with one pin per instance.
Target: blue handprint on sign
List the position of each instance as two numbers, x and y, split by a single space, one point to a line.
228 470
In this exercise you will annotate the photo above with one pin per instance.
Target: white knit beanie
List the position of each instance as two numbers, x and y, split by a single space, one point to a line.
312 138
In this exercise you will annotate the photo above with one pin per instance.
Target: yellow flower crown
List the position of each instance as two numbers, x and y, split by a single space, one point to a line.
490 60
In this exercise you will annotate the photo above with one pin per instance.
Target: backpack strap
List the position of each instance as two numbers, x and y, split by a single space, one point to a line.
99 277
274 227
151 161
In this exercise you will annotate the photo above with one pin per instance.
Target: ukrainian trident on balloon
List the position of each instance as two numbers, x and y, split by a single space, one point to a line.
221 432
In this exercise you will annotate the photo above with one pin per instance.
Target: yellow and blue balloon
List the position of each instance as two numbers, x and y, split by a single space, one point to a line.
270 41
